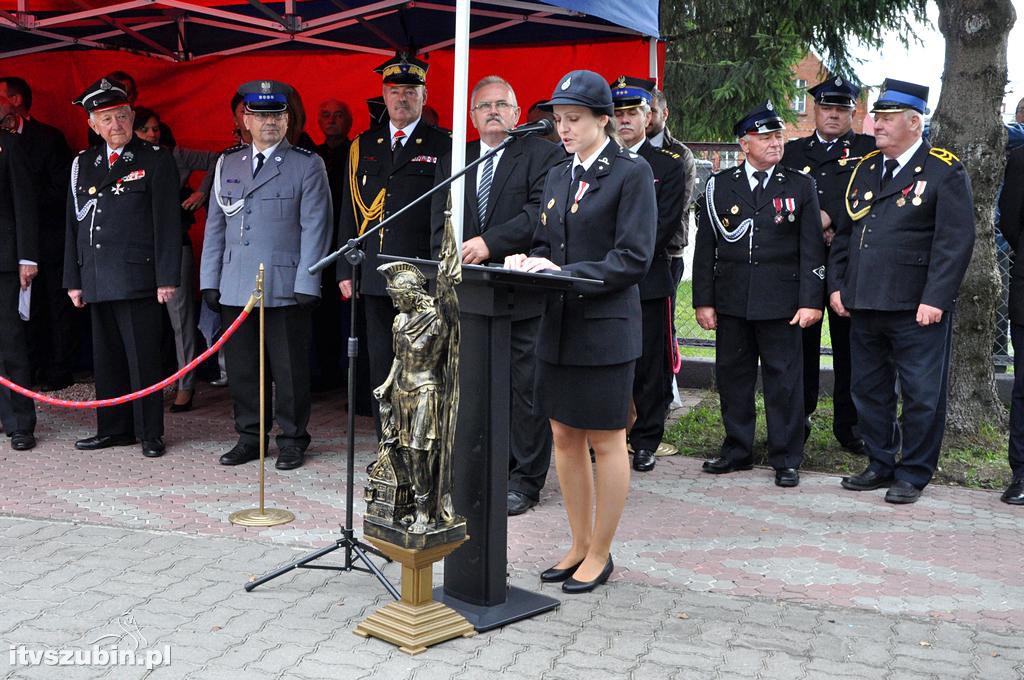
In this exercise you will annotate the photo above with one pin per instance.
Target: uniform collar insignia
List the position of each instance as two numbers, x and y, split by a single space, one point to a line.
603 160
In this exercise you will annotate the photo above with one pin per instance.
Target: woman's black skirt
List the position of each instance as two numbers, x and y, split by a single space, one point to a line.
585 397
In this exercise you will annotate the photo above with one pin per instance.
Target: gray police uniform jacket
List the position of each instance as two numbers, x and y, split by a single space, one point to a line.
906 244
281 219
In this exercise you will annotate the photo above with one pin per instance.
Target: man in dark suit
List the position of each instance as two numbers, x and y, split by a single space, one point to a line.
900 254
272 207
652 382
758 279
829 156
391 166
330 318
123 259
51 325
19 248
502 205
1011 224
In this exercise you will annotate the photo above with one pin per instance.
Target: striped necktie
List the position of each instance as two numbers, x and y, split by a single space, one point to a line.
483 187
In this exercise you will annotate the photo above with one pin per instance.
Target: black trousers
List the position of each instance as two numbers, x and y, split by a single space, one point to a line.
126 358
530 437
379 317
1016 446
54 342
652 384
739 344
288 332
885 345
17 413
330 328
844 419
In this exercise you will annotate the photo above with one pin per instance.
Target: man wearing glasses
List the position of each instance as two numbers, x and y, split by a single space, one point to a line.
122 260
271 206
502 206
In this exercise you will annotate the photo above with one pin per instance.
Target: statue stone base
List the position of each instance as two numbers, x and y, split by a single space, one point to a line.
416 621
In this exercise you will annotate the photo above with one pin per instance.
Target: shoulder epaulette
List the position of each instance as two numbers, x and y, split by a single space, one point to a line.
233 149
797 171
671 154
943 155
304 152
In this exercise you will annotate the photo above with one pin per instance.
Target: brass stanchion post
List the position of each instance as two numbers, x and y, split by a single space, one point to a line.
261 516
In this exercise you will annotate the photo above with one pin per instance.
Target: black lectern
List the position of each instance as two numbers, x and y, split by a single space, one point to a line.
475 575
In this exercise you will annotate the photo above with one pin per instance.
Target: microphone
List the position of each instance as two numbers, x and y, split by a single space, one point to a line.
542 127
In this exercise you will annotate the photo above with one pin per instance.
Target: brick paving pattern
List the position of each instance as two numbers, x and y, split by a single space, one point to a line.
717 577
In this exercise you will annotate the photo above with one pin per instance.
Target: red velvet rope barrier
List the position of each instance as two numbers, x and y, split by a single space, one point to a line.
116 401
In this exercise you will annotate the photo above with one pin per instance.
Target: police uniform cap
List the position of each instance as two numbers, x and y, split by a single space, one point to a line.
629 92
582 88
403 70
899 95
836 91
264 96
762 119
105 93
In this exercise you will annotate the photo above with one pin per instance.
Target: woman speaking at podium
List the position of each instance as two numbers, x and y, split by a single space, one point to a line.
597 221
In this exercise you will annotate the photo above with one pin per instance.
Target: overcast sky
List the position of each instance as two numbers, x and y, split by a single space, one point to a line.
922 63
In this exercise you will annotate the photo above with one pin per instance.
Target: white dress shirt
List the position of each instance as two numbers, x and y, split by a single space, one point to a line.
753 180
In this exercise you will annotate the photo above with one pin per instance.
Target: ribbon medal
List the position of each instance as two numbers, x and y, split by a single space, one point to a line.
918 191
844 159
791 208
902 200
579 196
777 204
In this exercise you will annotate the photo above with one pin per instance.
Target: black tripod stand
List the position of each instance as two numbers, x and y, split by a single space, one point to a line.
355 550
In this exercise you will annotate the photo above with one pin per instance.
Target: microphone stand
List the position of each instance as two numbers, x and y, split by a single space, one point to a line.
356 550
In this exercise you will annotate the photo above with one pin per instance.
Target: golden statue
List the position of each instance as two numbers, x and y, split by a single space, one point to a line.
409 500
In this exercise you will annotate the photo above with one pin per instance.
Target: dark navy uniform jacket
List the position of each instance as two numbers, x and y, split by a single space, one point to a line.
19 225
1011 224
891 254
611 238
129 242
829 166
670 191
404 179
779 264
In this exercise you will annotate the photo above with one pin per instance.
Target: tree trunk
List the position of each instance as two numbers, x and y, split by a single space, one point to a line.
967 122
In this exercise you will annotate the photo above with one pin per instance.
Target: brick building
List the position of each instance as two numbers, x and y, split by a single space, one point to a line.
808 73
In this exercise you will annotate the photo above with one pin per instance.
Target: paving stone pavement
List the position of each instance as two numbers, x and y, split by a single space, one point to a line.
717 577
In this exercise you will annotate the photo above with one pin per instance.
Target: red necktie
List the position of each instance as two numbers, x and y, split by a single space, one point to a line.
399 134
113 158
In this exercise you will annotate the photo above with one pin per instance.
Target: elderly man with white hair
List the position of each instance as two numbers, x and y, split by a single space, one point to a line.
122 259
901 250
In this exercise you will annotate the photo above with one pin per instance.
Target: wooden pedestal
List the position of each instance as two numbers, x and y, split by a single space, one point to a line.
416 621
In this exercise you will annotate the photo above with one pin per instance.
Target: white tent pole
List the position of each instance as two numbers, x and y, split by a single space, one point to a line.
460 109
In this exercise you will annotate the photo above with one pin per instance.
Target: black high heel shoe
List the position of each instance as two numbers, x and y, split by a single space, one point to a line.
554 574
187 406
573 587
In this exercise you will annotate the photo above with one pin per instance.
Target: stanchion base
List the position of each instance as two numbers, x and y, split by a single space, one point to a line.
254 517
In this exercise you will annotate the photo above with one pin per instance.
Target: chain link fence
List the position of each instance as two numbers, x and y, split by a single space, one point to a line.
695 340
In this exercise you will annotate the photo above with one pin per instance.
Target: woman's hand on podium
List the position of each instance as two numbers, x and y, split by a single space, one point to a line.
515 262
539 264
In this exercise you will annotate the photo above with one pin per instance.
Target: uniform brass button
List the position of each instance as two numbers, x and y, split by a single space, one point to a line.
869 231
757 229
98 210
866 245
97 246
756 247
756 263
98 228
246 243
247 227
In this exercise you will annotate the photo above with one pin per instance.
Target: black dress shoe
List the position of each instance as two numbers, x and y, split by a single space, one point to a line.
241 453
869 480
556 575
23 441
787 477
1014 494
643 460
105 441
153 448
855 446
289 458
723 465
574 587
518 503
902 492
182 408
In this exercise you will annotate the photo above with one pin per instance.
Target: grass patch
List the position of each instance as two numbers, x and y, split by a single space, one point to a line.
975 462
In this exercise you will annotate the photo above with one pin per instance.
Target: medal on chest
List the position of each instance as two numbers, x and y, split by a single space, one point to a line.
777 204
919 191
579 197
902 200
